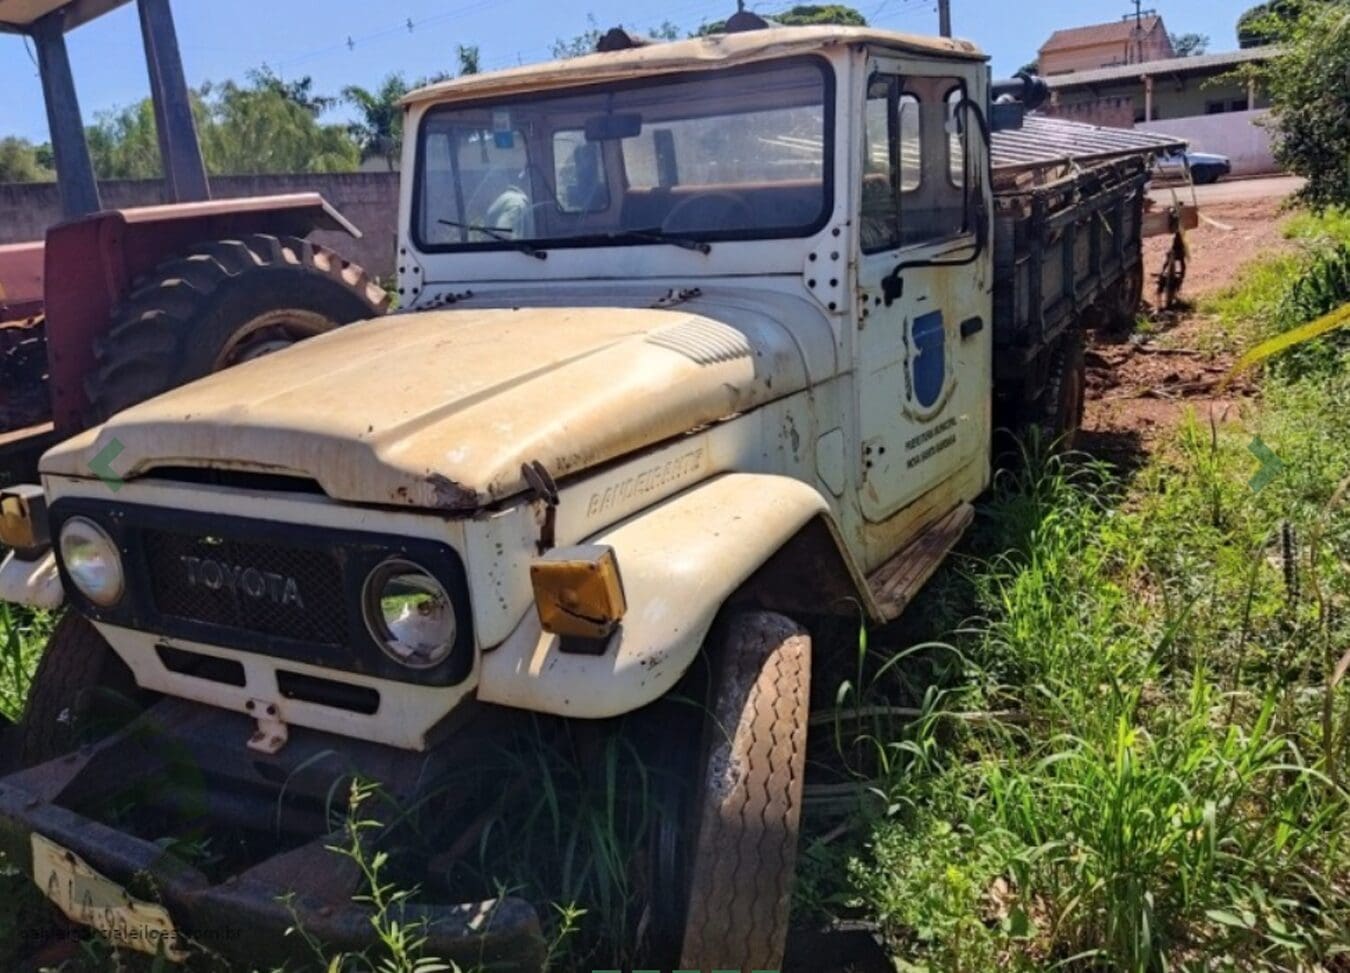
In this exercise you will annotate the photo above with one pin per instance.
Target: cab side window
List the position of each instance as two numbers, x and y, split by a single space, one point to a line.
915 163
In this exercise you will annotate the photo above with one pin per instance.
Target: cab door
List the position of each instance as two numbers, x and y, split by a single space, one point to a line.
924 340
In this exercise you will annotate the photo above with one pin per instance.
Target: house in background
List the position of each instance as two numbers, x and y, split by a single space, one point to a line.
1129 41
1201 98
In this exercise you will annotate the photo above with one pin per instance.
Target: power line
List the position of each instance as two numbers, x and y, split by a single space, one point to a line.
352 42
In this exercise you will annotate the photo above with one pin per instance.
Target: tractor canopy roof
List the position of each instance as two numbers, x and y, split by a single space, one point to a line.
17 16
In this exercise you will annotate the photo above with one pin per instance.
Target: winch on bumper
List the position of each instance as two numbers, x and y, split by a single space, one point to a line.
269 823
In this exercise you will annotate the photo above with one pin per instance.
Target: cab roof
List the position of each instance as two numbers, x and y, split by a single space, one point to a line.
698 53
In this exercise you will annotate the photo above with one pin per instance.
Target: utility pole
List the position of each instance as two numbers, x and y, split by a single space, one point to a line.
945 17
1138 52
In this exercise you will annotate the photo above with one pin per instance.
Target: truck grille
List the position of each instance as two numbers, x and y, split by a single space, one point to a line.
289 592
281 591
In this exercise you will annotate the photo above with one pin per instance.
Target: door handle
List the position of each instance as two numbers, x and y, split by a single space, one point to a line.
970 327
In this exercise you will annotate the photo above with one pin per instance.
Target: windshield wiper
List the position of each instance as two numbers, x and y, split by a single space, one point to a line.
661 236
502 236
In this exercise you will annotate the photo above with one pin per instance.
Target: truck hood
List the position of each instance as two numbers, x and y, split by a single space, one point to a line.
441 409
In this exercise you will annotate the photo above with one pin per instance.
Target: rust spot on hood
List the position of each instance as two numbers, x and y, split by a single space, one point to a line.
446 494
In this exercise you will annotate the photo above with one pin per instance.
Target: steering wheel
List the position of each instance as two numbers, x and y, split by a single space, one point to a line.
718 210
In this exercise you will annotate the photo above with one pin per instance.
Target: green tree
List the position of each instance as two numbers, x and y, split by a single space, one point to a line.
20 162
123 143
260 129
581 44
263 126
469 62
1265 23
802 15
1189 45
379 131
300 91
1310 102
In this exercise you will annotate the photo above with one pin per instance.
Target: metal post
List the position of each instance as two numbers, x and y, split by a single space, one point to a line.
74 168
184 172
945 18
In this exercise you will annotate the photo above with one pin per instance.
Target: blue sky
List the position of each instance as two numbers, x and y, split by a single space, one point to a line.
310 37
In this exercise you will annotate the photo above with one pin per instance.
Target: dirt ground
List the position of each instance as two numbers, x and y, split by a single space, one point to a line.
1141 387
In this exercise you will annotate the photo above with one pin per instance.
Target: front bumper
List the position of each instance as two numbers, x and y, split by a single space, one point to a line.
249 913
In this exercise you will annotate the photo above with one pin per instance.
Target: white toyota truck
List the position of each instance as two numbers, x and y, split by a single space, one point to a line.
701 342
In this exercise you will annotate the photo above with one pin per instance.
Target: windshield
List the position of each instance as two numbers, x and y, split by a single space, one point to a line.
732 154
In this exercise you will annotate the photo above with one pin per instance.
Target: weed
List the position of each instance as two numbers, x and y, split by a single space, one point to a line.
401 944
1135 766
22 635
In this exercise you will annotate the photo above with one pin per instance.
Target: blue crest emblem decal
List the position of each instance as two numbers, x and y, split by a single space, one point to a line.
928 338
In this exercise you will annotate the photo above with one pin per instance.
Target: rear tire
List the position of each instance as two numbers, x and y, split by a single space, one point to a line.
1127 295
748 810
1064 398
223 304
82 691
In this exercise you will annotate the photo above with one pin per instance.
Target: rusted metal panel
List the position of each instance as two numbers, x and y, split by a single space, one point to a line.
308 211
244 909
20 280
1045 143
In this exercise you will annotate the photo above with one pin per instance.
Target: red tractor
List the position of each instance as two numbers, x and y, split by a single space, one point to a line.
117 306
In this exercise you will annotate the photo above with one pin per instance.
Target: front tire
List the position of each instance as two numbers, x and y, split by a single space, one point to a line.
82 691
223 304
748 811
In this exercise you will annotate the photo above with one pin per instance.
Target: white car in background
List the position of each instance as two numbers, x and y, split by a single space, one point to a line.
1204 167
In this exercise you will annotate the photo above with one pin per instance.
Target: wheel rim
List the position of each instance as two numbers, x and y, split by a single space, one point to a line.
269 333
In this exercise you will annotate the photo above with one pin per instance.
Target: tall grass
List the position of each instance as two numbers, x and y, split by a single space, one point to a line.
22 635
1139 766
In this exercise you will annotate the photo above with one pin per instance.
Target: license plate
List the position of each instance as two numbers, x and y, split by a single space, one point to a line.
87 898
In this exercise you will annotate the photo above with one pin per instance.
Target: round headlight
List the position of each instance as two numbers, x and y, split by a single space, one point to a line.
410 614
92 561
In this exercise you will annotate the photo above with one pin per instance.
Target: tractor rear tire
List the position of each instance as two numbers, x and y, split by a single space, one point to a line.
1064 399
82 691
23 375
748 810
223 304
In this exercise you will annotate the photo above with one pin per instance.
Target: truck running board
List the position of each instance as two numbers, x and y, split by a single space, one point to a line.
896 582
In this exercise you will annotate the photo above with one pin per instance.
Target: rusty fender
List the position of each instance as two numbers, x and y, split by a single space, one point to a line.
680 560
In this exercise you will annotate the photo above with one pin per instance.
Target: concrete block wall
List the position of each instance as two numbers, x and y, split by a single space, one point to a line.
368 199
1234 134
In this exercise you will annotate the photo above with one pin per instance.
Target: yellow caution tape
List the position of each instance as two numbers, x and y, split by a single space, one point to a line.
1267 349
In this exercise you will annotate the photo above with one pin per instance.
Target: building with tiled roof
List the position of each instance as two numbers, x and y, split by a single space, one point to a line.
1127 41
